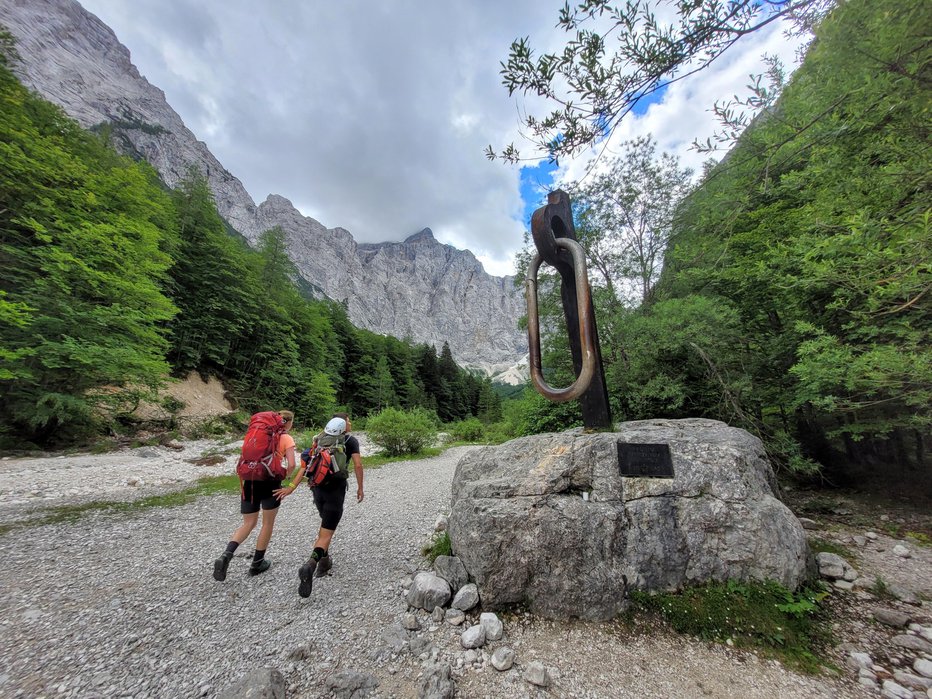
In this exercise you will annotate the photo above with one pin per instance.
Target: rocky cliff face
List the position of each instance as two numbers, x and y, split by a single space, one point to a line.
418 288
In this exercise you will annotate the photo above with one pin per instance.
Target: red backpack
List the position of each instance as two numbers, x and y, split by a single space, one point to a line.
260 459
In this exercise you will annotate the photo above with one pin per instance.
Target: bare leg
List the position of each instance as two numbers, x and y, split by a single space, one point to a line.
323 538
265 532
245 529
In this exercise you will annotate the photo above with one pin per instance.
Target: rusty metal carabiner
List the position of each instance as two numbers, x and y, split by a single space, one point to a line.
586 333
555 238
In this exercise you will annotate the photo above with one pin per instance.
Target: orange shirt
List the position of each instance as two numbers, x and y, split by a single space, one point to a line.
285 442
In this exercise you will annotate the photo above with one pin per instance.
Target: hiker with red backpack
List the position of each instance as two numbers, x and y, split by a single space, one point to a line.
327 464
268 456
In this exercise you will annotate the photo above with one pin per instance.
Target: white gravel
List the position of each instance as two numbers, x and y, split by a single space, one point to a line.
125 605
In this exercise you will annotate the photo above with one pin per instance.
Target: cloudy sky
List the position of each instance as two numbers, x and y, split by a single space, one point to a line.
374 116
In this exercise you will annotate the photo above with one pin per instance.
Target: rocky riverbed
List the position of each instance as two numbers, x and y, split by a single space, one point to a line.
124 605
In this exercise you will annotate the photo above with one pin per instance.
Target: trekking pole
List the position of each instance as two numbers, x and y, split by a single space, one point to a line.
555 238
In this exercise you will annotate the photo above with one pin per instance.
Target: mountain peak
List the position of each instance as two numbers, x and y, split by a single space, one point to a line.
425 235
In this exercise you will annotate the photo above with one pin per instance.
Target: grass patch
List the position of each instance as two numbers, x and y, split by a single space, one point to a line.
377 460
762 616
439 545
919 538
209 485
822 545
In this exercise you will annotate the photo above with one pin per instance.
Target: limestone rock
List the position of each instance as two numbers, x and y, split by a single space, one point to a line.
891 617
351 684
466 598
537 674
451 569
525 535
494 629
428 591
473 637
264 683
503 658
437 683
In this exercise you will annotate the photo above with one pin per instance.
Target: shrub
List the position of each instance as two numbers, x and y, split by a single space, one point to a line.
469 430
402 432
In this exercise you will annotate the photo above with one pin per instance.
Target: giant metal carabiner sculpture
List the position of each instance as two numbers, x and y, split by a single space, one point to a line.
555 238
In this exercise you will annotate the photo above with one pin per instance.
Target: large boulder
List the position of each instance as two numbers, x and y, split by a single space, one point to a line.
549 521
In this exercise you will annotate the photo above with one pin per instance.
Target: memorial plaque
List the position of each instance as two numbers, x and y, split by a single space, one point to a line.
645 460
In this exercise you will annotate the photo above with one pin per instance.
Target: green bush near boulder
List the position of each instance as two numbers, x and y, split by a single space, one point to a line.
402 432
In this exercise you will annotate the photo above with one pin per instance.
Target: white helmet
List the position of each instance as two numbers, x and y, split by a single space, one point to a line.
336 426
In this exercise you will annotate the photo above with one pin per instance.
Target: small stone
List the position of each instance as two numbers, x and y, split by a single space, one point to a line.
470 656
859 540
860 660
901 551
864 672
503 658
891 617
923 667
455 617
903 594
437 614
473 637
871 535
844 585
907 679
892 690
492 625
808 523
912 643
441 524
466 598
410 622
537 674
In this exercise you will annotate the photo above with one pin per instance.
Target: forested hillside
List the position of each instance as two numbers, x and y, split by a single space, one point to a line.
110 281
796 296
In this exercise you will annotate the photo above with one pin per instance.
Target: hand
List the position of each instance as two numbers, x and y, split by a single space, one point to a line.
359 495
282 493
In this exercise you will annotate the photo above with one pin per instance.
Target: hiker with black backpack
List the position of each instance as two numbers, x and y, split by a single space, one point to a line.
268 455
327 469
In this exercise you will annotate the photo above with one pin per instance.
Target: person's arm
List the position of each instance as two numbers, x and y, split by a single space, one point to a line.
296 476
357 467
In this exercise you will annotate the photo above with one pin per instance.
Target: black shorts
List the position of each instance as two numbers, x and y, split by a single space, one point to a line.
258 494
329 500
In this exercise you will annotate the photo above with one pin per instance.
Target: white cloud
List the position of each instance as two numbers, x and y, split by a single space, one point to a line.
374 116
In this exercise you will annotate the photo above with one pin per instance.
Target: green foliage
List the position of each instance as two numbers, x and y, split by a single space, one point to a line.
816 232
796 295
471 430
820 545
402 432
439 545
381 459
109 284
753 615
618 55
84 240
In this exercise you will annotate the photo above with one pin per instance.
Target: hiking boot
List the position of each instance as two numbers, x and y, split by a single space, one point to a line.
220 567
306 572
260 566
323 566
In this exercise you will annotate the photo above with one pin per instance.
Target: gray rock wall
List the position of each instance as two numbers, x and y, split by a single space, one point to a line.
526 535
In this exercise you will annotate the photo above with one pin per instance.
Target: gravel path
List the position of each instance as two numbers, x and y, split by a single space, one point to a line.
125 605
